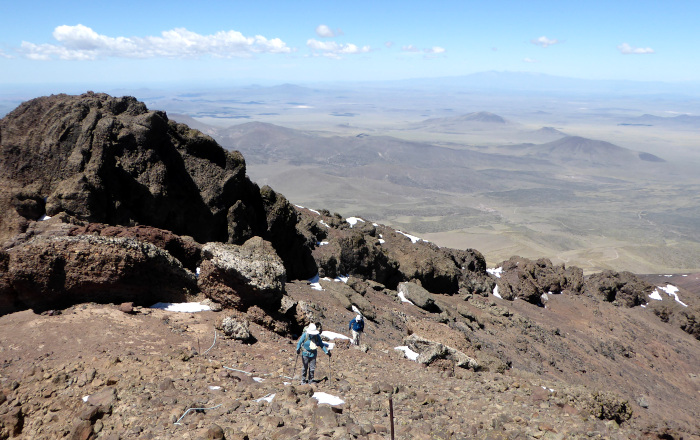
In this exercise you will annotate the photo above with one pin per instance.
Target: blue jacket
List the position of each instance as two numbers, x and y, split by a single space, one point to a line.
356 325
304 345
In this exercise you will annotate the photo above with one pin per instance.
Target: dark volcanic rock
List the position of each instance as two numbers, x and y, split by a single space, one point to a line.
242 276
419 296
622 287
111 160
55 272
529 280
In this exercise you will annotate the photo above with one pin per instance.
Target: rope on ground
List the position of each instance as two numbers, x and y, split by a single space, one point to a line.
195 409
212 345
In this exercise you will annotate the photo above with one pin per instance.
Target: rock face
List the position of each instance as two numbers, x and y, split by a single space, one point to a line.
111 160
621 287
430 351
386 256
418 296
242 276
529 280
54 272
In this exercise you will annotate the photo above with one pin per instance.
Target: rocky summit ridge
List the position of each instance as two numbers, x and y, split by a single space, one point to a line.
107 207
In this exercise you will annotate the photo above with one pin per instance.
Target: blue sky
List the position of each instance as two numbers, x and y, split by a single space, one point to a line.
224 41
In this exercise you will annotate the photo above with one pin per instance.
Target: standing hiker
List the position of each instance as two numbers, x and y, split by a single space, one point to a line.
357 326
309 341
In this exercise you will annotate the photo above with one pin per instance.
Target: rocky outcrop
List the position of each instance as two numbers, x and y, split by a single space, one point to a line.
388 257
430 351
529 280
622 288
110 160
55 272
418 296
242 276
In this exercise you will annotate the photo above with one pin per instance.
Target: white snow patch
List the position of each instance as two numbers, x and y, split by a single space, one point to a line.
413 238
332 335
327 398
669 276
85 398
655 295
321 243
375 225
315 284
44 218
299 206
684 275
550 390
644 306
214 387
495 272
189 307
342 278
267 398
324 223
403 298
258 379
673 291
495 292
353 220
410 354
382 241
314 211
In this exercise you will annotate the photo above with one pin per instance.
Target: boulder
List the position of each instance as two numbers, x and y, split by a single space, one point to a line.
55 272
419 296
431 351
242 276
529 280
623 288
235 328
348 297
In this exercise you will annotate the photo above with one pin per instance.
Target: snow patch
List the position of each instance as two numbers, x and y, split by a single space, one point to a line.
410 354
332 335
314 283
214 387
44 218
267 398
495 292
673 291
655 295
495 272
258 379
353 220
413 238
403 298
85 398
190 307
321 243
327 398
324 224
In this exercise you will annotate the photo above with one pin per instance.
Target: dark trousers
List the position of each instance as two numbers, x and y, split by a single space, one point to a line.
309 366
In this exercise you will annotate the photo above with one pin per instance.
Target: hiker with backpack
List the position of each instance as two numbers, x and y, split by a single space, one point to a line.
357 326
309 341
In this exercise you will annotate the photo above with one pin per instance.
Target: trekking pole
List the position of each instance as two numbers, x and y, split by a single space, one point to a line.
295 366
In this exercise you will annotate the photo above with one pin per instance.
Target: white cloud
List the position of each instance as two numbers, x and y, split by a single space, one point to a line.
82 43
324 31
626 49
410 48
530 60
544 41
435 50
335 50
4 55
389 44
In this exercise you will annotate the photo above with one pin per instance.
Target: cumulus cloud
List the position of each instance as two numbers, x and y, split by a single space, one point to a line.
389 44
82 43
410 48
333 49
544 41
435 50
324 31
4 55
626 49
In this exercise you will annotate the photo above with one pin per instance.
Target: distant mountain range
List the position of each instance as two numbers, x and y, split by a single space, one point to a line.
680 121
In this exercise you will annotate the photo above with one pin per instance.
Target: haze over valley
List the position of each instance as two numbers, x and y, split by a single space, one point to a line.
592 178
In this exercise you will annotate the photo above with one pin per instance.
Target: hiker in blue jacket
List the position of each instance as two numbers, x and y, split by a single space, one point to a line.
357 326
309 341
